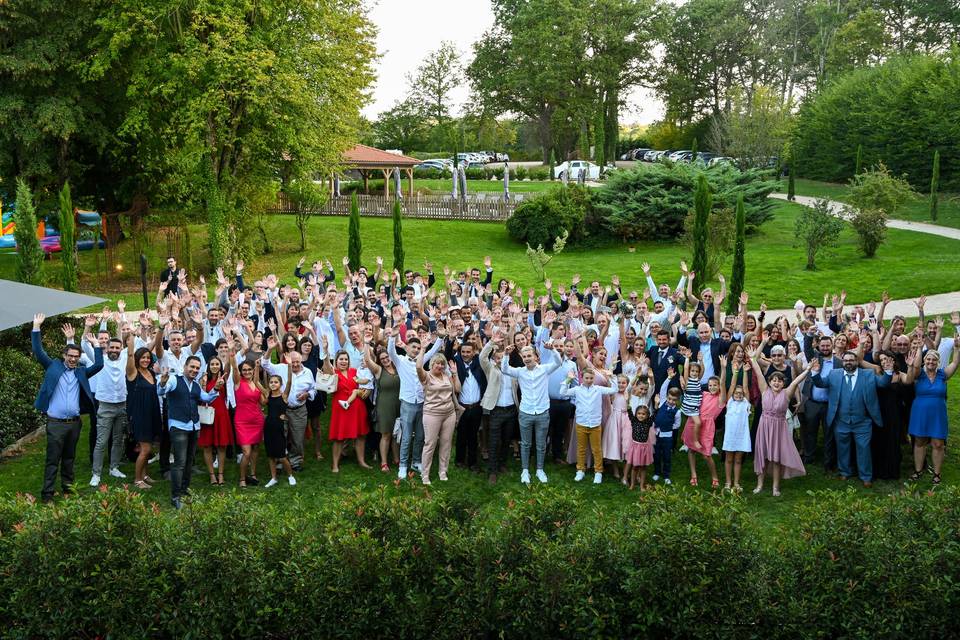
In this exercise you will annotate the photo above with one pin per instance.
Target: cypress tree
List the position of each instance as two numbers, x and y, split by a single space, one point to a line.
29 253
353 239
693 149
935 186
397 237
791 187
738 275
599 142
68 242
856 169
702 203
553 163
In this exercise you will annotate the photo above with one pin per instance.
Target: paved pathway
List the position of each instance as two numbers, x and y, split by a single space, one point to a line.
941 303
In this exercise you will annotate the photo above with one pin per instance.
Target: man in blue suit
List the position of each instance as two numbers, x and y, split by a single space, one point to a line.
663 357
64 394
852 410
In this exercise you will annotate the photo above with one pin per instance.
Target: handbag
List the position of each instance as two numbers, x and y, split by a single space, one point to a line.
397 430
207 414
792 420
326 382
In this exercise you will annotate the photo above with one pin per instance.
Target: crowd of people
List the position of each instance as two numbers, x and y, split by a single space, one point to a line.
416 366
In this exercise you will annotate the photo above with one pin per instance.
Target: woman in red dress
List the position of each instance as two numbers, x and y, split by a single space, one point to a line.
248 418
346 422
220 433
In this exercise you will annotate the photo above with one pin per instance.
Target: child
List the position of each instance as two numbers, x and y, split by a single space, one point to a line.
700 440
274 431
664 420
736 437
588 418
643 436
692 396
364 380
616 429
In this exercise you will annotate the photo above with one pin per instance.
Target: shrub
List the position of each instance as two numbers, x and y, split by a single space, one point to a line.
871 228
541 220
29 253
521 173
875 196
20 377
539 173
817 229
652 201
476 173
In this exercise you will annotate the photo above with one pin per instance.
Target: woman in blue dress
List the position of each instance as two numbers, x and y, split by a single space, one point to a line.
928 416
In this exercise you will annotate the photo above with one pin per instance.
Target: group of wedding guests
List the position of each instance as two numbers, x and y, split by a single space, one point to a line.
415 368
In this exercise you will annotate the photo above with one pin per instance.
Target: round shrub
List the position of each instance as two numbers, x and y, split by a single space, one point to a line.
20 378
543 219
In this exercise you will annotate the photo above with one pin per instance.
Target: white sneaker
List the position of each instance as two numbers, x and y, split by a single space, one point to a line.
116 473
525 477
714 452
578 477
154 459
239 457
541 476
216 463
344 405
597 478
443 477
95 481
684 449
402 473
417 467
667 481
291 481
655 478
272 483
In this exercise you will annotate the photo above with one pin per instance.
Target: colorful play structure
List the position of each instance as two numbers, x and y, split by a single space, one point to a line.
49 234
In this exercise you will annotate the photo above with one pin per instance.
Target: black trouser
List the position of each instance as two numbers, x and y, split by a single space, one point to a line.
62 438
560 411
468 431
663 456
815 414
165 442
498 439
92 436
184 445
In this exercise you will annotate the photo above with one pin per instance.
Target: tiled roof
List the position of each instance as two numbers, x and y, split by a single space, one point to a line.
363 156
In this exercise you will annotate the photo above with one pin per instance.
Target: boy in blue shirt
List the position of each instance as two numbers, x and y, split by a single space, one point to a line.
665 420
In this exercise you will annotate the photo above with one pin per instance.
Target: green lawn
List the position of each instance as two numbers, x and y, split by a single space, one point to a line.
917 210
24 474
775 272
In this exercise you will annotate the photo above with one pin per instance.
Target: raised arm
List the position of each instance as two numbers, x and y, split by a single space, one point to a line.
951 368
131 360
370 362
761 381
799 379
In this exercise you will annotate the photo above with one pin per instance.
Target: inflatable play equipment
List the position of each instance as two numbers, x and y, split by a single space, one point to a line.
49 235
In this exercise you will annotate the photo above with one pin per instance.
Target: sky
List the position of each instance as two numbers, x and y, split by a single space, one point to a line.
410 29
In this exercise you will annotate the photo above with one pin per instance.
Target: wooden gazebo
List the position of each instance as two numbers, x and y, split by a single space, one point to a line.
369 160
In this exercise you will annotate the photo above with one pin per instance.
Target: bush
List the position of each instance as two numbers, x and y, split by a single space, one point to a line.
476 173
522 173
652 201
543 219
817 229
545 565
20 378
871 228
539 173
430 174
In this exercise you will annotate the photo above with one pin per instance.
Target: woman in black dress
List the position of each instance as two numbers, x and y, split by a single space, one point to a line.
885 441
143 408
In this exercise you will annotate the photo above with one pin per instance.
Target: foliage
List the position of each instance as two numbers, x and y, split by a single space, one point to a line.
401 127
547 565
68 239
935 186
738 272
875 196
699 229
755 128
539 173
435 79
306 198
817 229
29 253
599 142
791 186
652 201
353 234
693 150
897 111
553 164
539 258
397 237
859 161
561 211
20 377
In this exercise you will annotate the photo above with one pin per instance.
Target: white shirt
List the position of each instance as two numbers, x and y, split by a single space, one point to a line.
469 389
505 399
303 381
534 384
558 376
411 391
589 403
110 383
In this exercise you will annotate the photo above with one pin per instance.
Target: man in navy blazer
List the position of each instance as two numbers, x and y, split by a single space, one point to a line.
852 409
64 394
473 384
663 357
704 342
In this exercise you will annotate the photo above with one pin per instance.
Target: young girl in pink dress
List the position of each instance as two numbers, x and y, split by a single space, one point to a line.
617 422
699 438
643 436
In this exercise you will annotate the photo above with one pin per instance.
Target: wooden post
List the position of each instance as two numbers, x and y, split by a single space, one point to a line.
366 181
386 183
410 182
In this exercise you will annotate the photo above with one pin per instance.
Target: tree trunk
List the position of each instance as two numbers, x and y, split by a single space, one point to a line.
545 129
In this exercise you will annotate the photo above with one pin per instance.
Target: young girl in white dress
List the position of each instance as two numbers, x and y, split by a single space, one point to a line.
736 436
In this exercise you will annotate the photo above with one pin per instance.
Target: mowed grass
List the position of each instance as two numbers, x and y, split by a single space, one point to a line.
908 264
916 210
316 482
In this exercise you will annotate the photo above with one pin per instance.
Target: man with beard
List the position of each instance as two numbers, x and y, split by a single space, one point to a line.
110 387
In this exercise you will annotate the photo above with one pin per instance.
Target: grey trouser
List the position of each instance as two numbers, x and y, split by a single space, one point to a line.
62 437
538 425
112 426
297 428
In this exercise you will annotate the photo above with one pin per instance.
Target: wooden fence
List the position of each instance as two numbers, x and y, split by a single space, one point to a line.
489 207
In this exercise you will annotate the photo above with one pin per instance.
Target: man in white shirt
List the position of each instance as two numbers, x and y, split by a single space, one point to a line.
302 388
110 388
534 380
411 398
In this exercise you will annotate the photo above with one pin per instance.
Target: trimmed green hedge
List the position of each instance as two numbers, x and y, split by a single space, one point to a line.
543 565
20 377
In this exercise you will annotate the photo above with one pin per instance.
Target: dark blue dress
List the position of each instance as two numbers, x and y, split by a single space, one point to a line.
143 410
928 415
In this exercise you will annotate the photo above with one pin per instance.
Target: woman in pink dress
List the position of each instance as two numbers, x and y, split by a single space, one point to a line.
248 418
774 444
700 440
220 433
346 422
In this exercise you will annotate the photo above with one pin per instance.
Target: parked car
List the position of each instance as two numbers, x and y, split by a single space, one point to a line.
705 157
650 155
573 168
677 155
501 157
637 154
435 165
627 156
719 160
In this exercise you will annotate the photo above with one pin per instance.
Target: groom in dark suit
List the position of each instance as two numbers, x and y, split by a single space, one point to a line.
852 410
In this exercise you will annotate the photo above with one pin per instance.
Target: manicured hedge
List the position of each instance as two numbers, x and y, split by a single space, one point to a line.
543 565
20 377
